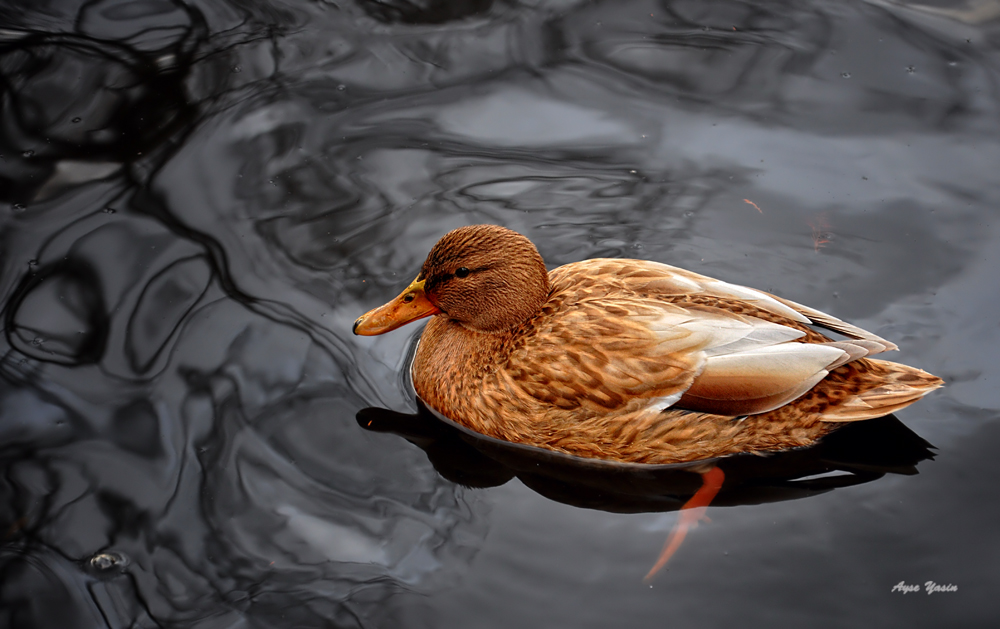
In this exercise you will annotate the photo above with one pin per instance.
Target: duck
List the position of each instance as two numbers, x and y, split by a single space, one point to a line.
632 361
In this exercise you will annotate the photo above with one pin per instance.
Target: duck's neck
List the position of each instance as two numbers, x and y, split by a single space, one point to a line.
452 362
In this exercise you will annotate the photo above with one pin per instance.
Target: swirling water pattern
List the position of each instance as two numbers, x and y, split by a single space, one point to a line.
197 199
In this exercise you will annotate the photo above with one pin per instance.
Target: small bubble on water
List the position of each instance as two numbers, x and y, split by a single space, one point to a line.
688 214
341 87
37 341
32 262
107 561
18 207
77 119
910 69
109 210
237 69
845 75
28 153
637 245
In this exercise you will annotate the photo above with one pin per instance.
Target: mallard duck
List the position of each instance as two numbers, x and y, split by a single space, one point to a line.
629 360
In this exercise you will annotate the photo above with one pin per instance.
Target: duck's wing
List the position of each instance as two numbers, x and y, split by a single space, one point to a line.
628 353
615 277
628 334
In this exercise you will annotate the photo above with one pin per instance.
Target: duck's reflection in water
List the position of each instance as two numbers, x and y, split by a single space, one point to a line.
855 454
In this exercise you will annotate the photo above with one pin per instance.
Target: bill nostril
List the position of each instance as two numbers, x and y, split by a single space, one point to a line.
408 298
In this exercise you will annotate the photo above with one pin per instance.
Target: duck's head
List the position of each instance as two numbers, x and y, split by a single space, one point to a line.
488 278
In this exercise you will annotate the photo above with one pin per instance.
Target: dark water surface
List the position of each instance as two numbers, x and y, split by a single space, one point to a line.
198 199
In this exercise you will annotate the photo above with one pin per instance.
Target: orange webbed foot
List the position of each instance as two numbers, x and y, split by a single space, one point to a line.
690 515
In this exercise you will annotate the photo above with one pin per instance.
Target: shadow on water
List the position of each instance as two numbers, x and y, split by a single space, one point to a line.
858 453
197 199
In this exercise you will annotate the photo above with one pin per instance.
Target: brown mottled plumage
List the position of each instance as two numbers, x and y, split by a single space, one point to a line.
628 360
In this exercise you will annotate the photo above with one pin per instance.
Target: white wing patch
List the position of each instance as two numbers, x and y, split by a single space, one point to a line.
763 378
718 335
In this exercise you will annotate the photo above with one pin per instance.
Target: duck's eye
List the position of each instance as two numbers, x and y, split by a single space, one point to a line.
462 272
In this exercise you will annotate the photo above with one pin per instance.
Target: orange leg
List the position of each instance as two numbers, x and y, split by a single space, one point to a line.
690 514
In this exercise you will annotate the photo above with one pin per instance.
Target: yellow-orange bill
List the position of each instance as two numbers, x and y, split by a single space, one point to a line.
410 305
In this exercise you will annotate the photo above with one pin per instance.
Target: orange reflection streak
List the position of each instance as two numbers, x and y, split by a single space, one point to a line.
820 232
691 513
755 205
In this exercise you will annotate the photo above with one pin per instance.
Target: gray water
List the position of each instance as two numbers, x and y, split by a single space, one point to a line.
198 199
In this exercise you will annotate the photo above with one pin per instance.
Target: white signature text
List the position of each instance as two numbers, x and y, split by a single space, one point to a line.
930 587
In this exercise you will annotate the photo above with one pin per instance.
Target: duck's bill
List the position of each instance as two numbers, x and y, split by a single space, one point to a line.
412 304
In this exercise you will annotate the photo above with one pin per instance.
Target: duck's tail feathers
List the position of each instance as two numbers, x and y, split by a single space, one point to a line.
899 386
